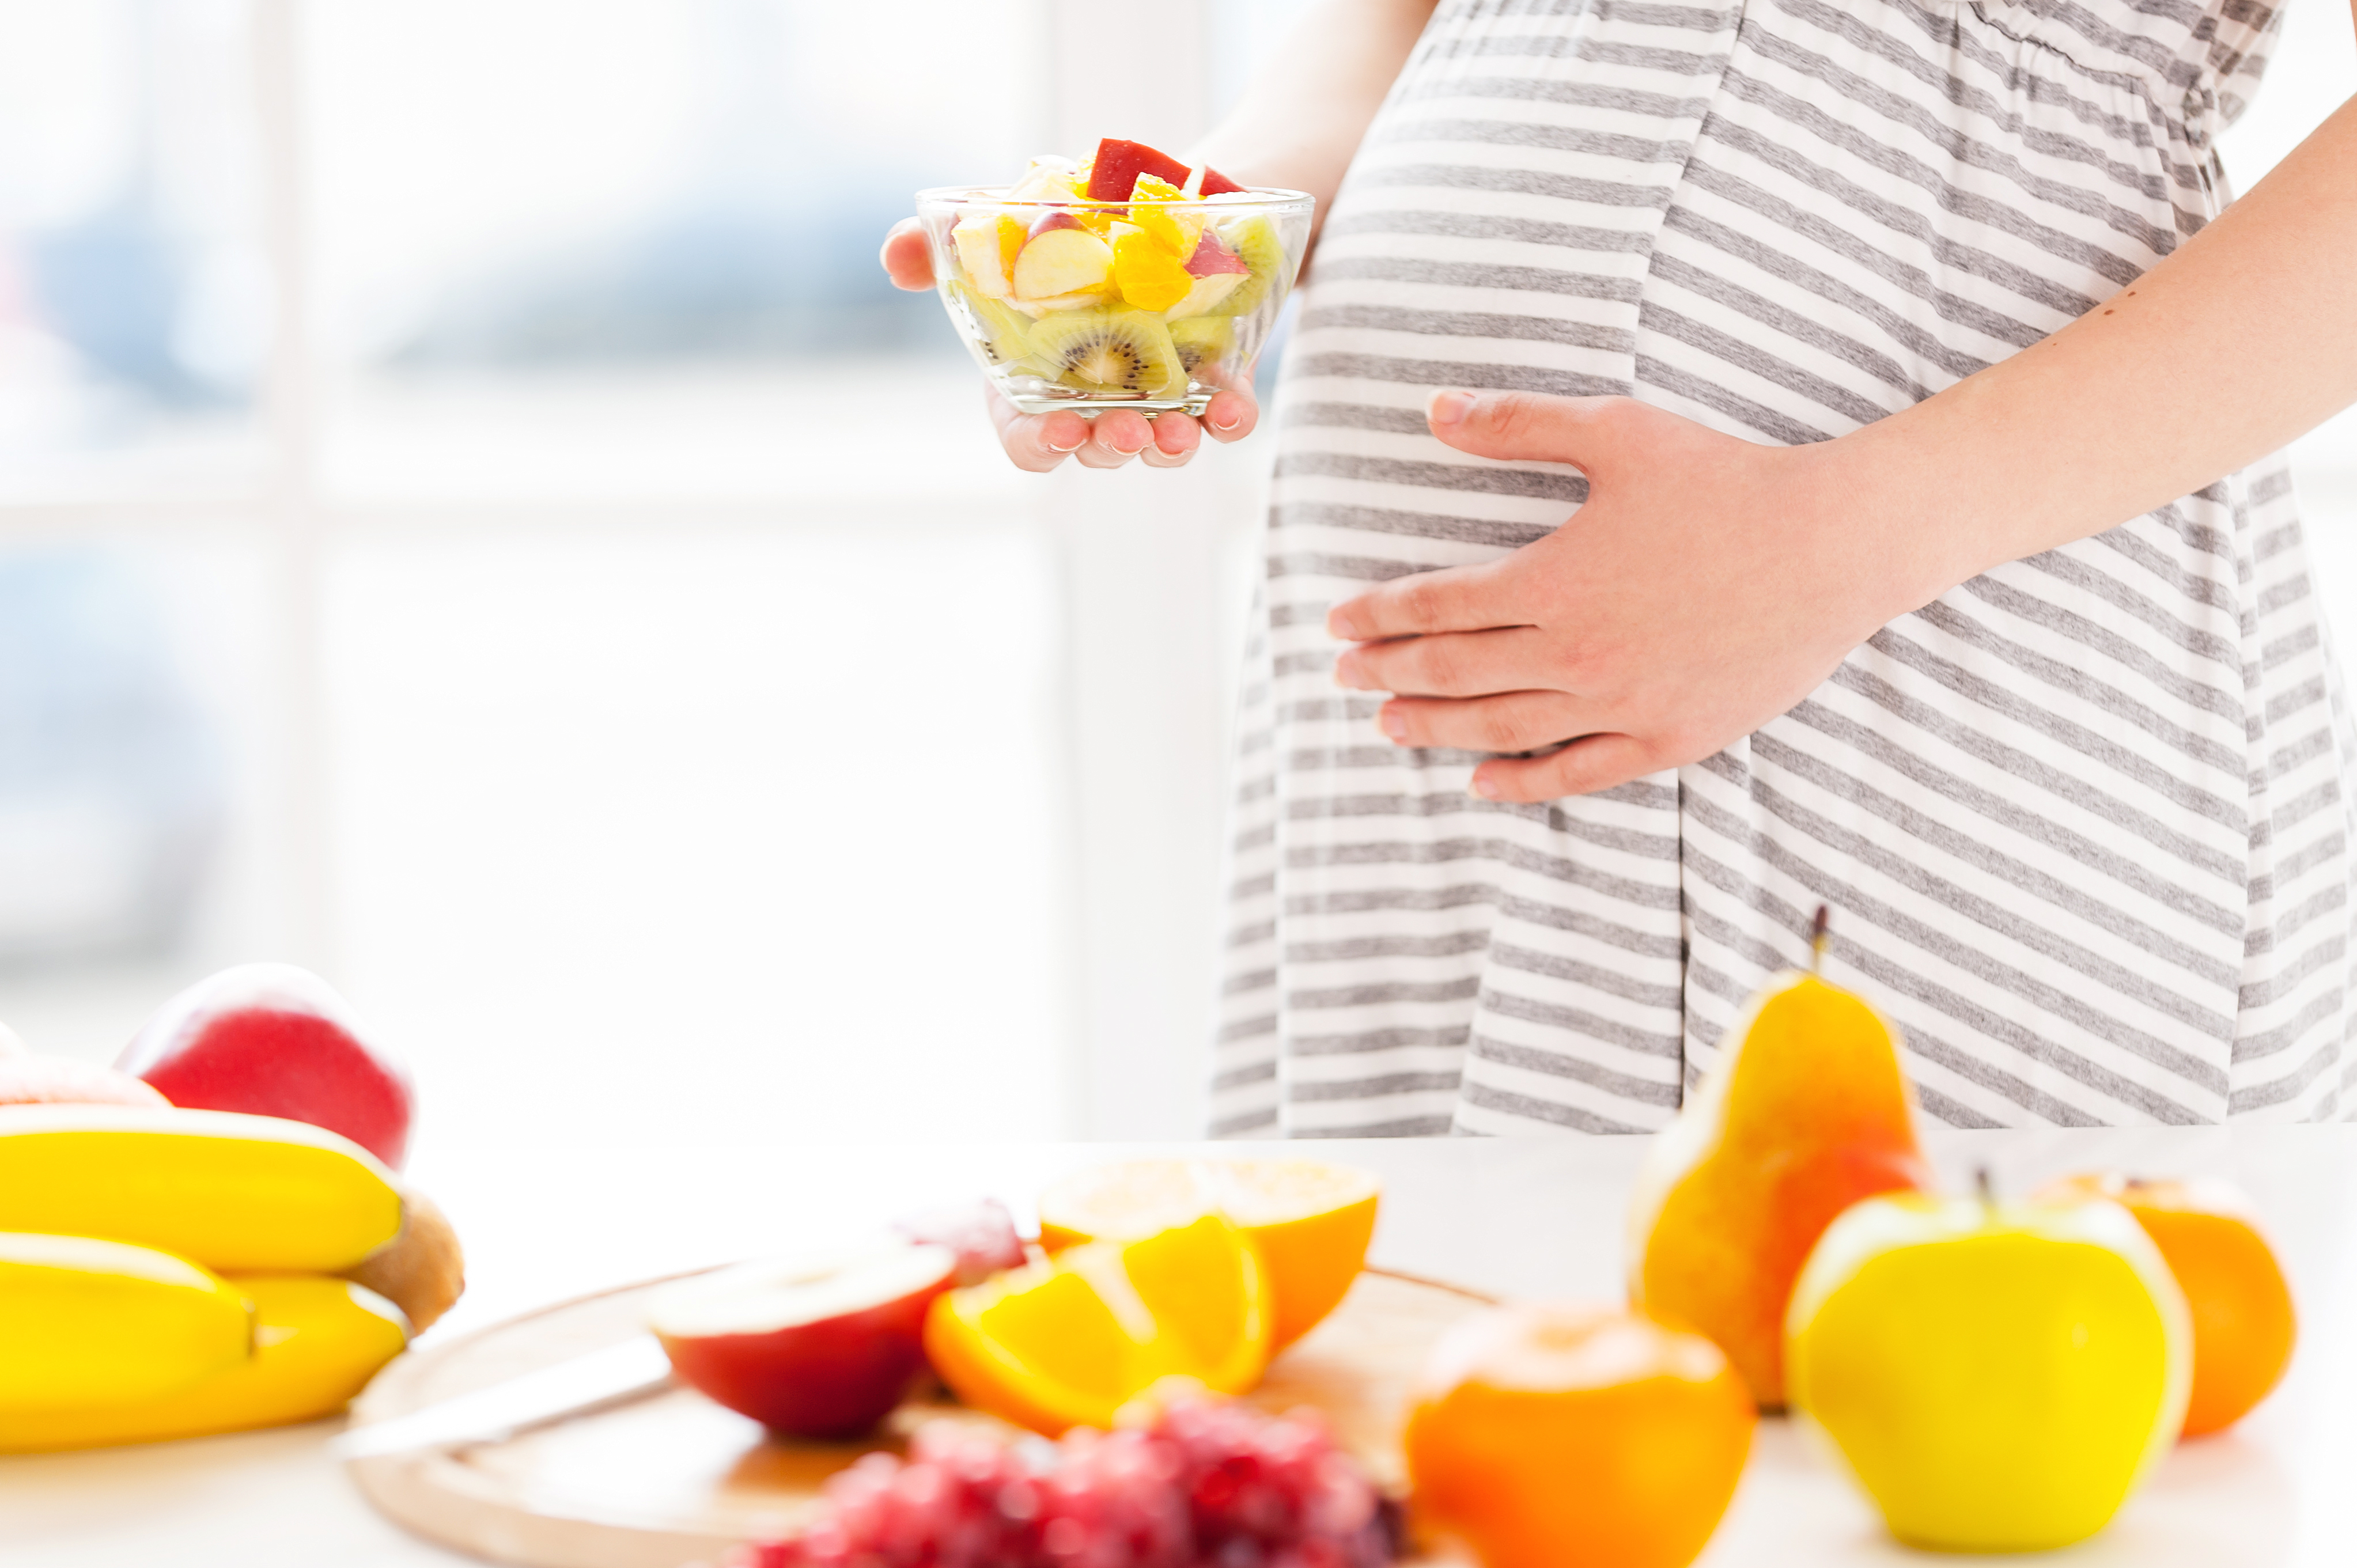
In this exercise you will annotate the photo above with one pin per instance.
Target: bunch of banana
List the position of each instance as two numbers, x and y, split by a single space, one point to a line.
168 1273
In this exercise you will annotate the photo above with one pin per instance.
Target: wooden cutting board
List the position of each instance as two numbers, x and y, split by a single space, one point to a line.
674 1478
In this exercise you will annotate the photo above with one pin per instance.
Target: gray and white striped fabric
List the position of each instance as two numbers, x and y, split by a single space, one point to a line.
2082 821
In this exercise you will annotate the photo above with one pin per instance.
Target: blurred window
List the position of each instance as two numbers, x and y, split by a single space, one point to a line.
134 296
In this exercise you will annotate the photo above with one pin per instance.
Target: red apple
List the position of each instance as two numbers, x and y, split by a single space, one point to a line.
983 1235
822 1346
1113 173
270 1039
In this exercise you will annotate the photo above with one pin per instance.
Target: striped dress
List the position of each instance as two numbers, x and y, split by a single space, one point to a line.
2081 820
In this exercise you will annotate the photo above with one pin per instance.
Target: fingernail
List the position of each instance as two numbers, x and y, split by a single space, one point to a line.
1485 787
1339 625
1225 425
1394 724
1346 673
1448 407
1126 451
1080 442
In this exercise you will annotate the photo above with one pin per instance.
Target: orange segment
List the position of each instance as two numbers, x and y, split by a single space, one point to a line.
1068 1342
1150 277
1310 1221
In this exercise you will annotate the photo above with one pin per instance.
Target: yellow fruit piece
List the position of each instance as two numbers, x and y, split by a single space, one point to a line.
1312 1223
248 1194
1175 232
86 1322
1068 1342
318 1342
1149 277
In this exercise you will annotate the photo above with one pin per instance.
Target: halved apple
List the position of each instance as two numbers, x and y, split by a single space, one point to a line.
819 1346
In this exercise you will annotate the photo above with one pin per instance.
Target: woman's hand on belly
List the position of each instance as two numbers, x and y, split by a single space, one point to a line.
1707 585
1037 442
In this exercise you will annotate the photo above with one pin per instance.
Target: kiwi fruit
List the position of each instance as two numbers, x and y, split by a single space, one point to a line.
1119 349
1006 335
1202 340
1254 241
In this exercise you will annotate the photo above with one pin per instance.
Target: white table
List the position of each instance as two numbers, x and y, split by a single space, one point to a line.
1525 1217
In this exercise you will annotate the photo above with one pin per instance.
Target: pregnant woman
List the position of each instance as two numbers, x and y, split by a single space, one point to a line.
1749 453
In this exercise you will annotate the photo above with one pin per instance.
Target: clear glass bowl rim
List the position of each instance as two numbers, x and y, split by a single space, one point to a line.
1252 199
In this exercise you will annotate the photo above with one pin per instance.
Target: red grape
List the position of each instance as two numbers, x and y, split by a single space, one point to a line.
1206 1482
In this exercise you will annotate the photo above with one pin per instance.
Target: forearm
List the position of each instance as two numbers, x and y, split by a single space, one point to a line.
2243 339
1302 118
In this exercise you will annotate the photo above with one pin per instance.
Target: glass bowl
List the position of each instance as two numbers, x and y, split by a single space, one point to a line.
1070 305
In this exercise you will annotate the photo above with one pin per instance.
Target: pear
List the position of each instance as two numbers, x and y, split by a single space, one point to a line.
1806 1114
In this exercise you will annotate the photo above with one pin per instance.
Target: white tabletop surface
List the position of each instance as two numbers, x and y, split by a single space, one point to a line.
1522 1218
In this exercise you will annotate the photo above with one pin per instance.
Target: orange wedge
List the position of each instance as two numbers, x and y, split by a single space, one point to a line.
1068 1342
1310 1221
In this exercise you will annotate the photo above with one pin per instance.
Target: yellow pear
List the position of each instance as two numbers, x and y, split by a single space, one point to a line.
1806 1115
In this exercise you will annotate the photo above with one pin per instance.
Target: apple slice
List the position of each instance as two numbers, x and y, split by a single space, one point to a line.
270 1039
819 1346
1046 179
1212 258
987 240
983 1235
1059 260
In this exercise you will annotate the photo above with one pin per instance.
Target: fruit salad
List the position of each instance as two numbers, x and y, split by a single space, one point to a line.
1128 279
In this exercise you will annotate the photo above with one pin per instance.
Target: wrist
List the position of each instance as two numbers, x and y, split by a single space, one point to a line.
1902 518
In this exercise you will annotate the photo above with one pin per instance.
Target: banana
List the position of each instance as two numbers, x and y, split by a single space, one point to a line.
103 1323
318 1342
248 1194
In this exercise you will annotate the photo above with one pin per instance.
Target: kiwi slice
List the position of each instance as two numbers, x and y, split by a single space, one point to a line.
1120 349
1254 241
1004 334
1202 340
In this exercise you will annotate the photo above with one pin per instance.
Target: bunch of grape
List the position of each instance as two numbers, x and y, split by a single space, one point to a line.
1206 1484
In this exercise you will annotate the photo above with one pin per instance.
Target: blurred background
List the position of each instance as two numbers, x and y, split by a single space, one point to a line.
475 521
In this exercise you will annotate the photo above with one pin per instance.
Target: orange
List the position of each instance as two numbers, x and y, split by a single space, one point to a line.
1068 1342
1311 1222
2243 1326
1558 1436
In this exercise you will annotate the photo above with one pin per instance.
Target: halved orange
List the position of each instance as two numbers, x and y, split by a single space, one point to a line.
1311 1222
1068 1342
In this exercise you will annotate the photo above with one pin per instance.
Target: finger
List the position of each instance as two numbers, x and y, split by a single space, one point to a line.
1461 598
1591 763
905 258
1517 721
1036 442
1115 438
1453 664
1231 414
1585 432
1176 436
